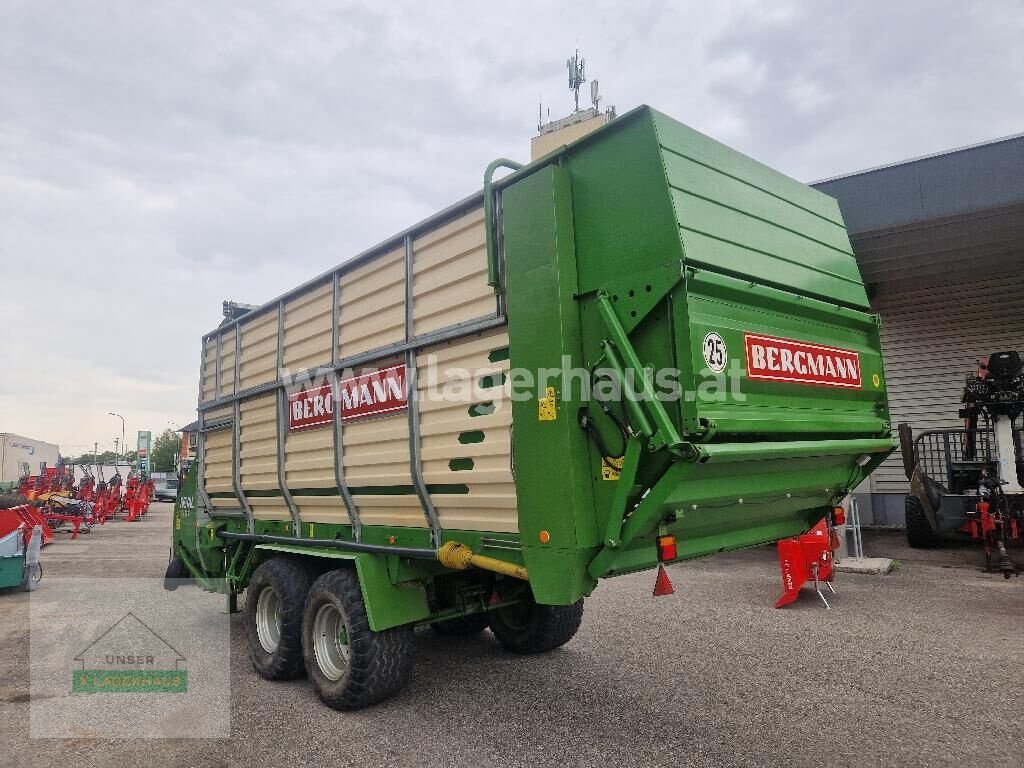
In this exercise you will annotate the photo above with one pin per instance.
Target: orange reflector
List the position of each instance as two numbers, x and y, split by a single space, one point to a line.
666 548
391 539
544 537
838 516
662 584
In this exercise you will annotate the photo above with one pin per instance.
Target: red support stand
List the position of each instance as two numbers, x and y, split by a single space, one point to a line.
804 558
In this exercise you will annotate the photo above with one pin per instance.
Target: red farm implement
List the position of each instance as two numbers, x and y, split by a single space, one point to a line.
969 482
20 542
807 558
137 495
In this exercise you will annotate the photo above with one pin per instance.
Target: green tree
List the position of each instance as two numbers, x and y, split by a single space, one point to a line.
104 457
165 450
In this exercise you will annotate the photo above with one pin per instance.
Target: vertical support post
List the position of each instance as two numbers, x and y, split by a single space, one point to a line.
238 359
236 431
339 462
499 237
412 401
202 370
336 425
282 477
489 228
216 369
335 318
201 471
282 419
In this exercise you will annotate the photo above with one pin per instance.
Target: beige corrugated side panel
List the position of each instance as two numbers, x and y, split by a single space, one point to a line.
450 275
209 382
268 508
257 437
227 363
372 299
376 453
450 383
217 466
309 461
259 350
321 509
310 464
218 414
307 329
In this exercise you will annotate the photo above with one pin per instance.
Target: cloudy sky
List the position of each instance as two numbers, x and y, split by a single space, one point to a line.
156 158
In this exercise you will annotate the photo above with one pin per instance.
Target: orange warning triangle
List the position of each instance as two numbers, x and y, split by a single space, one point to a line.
662 585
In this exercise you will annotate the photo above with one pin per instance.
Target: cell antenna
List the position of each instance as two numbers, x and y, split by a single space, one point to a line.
577 75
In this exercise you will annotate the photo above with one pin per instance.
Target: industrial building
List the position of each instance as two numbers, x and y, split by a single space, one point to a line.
940 243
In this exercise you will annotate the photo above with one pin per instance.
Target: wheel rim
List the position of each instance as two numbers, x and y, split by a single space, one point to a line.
268 619
330 642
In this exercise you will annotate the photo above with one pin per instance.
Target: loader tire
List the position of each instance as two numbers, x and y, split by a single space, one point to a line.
273 617
463 626
529 628
920 534
350 665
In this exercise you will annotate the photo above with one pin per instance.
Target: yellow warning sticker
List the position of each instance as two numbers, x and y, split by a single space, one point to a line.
611 468
876 380
546 408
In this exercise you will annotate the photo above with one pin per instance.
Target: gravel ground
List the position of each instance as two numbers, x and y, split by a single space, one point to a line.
921 667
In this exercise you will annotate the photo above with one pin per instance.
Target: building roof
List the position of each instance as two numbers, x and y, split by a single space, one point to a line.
936 219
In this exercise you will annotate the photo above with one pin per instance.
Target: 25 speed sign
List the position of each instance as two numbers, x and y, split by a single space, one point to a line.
716 354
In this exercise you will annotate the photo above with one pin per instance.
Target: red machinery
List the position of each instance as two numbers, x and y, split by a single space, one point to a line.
31 517
137 497
970 481
808 557
86 490
107 501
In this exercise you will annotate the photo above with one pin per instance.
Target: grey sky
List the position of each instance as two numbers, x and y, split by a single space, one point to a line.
156 158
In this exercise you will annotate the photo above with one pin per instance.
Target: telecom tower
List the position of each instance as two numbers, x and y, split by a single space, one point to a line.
553 134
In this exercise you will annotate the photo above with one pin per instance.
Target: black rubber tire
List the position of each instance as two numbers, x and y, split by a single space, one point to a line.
378 664
291 579
920 534
176 571
532 628
463 626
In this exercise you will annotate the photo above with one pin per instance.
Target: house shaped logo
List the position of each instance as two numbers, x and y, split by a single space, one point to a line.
129 657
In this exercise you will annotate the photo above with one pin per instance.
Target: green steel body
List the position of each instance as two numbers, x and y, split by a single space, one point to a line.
623 251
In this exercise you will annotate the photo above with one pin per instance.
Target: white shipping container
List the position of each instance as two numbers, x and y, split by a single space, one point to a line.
20 454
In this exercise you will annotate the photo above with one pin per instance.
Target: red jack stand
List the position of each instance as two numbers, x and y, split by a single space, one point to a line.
806 557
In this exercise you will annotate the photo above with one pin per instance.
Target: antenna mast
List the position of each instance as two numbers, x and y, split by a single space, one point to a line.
577 76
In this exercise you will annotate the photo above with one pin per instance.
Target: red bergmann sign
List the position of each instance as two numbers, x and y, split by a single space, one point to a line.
773 359
372 394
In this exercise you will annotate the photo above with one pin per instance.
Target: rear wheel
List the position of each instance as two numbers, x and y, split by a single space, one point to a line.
920 533
350 665
528 627
273 617
473 624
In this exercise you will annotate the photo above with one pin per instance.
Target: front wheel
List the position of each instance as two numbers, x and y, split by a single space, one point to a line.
920 534
350 665
528 627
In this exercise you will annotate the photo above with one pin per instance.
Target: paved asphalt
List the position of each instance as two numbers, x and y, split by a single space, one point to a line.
921 667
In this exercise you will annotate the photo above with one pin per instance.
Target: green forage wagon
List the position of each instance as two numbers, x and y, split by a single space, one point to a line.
354 495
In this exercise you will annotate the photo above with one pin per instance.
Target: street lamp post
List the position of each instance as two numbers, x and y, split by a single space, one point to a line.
111 413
